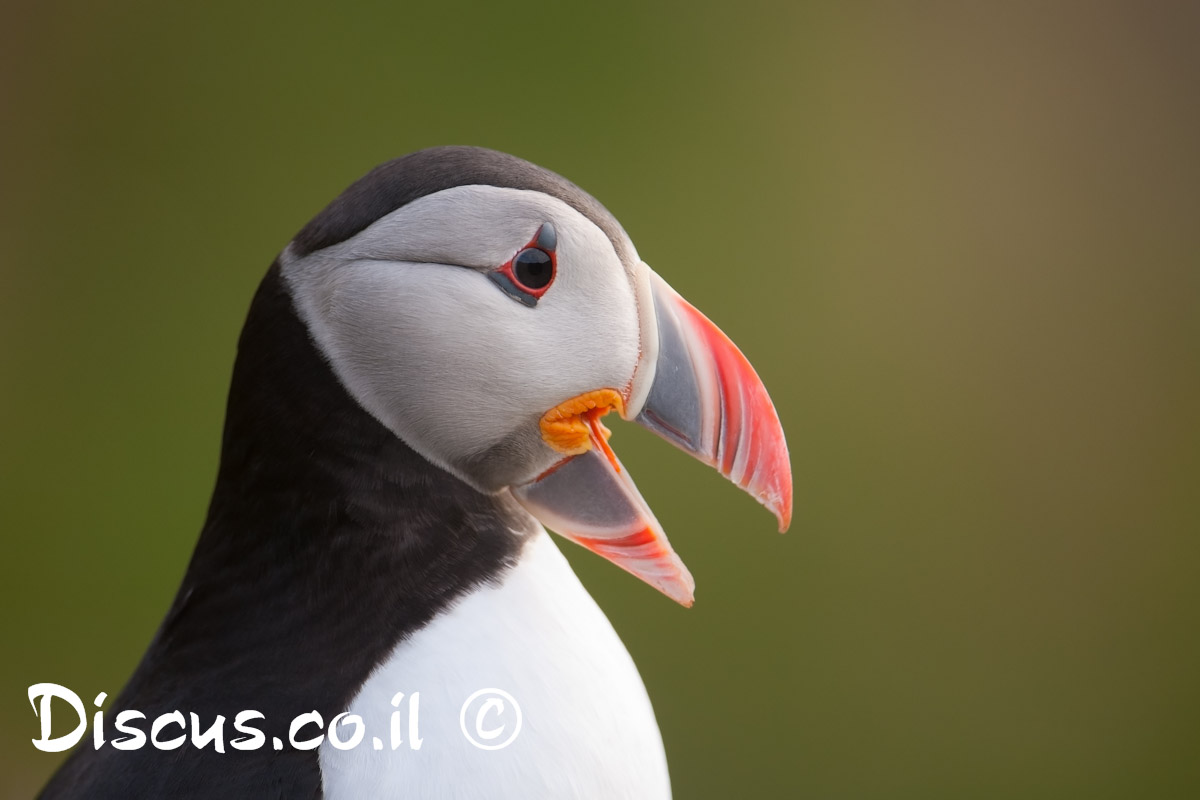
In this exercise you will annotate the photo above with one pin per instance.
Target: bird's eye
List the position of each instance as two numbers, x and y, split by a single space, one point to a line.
533 269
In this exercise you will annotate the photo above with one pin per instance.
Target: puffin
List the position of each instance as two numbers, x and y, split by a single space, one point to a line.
416 399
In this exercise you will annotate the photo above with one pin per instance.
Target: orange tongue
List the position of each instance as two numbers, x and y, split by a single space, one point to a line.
565 427
599 434
590 499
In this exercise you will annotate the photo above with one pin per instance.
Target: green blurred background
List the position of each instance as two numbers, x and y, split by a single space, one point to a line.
960 243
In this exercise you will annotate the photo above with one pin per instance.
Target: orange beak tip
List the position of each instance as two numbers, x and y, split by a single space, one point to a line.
784 515
685 598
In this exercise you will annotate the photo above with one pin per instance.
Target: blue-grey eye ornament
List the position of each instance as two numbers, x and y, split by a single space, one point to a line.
528 274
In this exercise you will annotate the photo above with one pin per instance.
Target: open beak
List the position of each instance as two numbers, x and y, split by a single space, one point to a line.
705 398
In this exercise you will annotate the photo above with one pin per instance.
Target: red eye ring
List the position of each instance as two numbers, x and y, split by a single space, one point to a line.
532 270
530 273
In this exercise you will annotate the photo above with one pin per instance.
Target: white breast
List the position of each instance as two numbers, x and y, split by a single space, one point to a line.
587 730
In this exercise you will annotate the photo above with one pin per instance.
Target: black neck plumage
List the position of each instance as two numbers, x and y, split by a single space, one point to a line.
327 542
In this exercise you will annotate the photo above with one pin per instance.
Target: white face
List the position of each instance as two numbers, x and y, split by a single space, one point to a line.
442 356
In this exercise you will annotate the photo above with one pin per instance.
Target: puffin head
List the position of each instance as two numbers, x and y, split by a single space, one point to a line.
488 312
